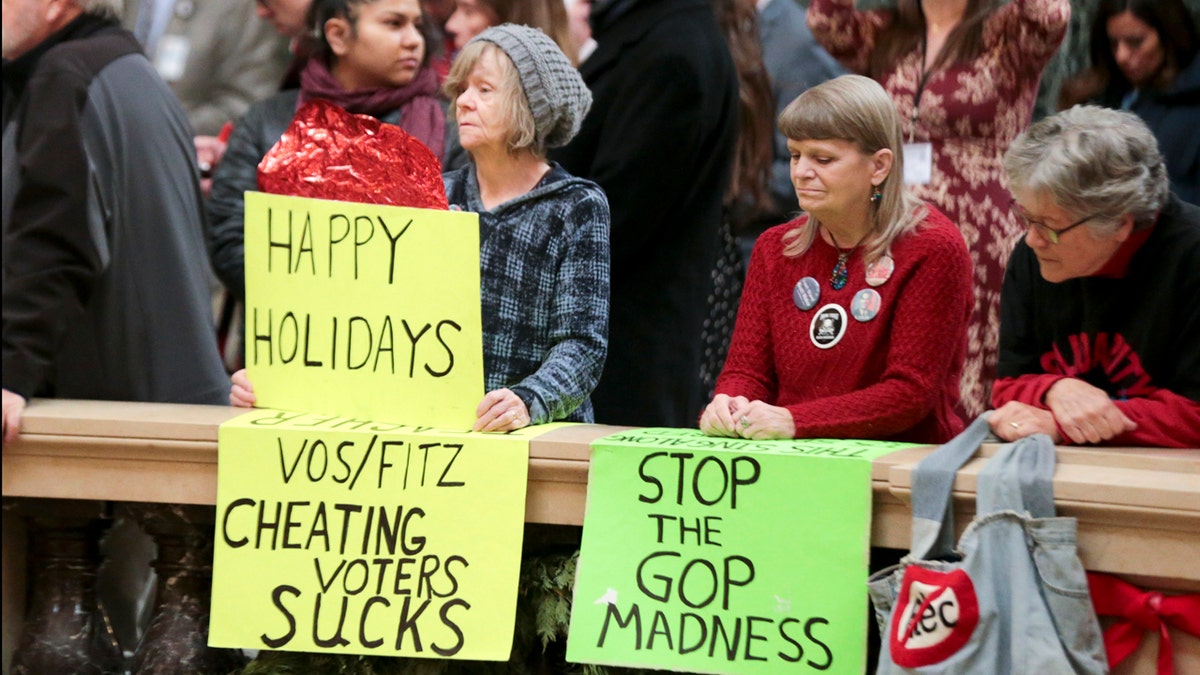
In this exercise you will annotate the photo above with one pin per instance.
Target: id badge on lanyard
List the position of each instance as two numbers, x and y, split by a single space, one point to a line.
918 157
918 163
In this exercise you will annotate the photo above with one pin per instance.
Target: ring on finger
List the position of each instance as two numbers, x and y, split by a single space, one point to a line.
745 421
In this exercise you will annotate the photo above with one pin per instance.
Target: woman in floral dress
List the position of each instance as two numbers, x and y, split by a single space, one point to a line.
963 75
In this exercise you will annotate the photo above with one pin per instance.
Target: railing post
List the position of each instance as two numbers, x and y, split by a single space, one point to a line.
176 641
65 628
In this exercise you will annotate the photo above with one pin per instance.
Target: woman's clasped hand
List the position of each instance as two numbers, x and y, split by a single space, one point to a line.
739 417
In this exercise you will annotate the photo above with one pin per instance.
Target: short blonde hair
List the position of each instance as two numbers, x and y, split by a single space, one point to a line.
856 109
513 103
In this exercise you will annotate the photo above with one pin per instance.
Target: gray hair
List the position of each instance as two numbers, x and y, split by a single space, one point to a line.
512 102
111 9
1092 160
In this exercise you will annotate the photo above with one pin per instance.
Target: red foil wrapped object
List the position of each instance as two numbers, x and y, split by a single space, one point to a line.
328 153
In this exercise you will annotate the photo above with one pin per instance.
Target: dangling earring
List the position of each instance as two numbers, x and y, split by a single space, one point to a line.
876 196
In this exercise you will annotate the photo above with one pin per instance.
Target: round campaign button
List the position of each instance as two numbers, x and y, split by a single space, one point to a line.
828 326
880 271
865 304
806 293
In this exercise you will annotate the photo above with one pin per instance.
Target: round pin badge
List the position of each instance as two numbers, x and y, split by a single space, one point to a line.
806 293
880 271
828 326
184 9
865 305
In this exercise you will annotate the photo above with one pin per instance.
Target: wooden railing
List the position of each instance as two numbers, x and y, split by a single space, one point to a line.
1138 508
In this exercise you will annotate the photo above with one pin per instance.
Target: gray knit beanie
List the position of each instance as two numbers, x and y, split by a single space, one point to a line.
556 93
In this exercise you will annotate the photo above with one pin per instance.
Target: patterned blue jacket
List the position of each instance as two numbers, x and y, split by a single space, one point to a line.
544 266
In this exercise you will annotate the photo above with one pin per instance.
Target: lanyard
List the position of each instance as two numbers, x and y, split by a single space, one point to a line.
920 90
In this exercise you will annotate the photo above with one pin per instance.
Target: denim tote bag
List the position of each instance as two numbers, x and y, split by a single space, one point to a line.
1012 598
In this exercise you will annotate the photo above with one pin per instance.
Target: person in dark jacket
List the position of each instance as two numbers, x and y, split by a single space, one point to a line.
370 59
543 233
1144 59
1100 328
660 141
105 281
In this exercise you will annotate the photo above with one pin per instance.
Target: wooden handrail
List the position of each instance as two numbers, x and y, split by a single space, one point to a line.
1138 509
1129 501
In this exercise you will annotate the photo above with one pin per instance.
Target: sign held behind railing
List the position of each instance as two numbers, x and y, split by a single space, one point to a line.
718 555
345 536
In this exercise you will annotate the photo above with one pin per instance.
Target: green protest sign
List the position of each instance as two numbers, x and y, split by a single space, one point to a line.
347 536
718 555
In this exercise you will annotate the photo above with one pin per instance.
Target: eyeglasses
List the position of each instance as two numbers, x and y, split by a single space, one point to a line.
1049 233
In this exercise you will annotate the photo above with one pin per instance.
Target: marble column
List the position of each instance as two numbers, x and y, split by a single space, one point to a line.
65 628
175 643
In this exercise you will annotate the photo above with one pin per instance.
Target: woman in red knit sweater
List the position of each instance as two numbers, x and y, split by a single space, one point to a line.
853 321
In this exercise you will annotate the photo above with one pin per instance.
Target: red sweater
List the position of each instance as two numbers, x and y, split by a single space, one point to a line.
894 377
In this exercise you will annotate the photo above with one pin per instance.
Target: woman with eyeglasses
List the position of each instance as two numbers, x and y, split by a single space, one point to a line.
1100 310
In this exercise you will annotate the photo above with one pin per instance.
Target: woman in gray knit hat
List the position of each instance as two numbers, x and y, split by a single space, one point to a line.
544 251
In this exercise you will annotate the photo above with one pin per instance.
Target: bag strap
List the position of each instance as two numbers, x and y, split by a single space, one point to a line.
932 482
1020 477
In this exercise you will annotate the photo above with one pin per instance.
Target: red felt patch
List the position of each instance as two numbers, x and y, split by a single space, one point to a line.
934 616
328 153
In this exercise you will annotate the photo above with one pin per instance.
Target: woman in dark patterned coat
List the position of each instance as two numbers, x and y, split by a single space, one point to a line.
543 233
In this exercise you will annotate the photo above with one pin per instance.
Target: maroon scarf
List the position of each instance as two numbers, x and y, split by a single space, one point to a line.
420 113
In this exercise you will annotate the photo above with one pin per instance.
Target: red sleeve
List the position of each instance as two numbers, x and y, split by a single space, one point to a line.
846 33
923 355
1164 419
750 365
1029 389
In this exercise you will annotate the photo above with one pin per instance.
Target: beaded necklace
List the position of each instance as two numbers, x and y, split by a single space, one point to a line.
840 275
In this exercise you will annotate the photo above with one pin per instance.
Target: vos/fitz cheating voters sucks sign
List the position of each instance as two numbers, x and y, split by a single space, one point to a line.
715 555
363 310
346 536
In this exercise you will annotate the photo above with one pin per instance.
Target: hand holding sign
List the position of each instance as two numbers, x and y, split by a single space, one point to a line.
241 394
501 410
